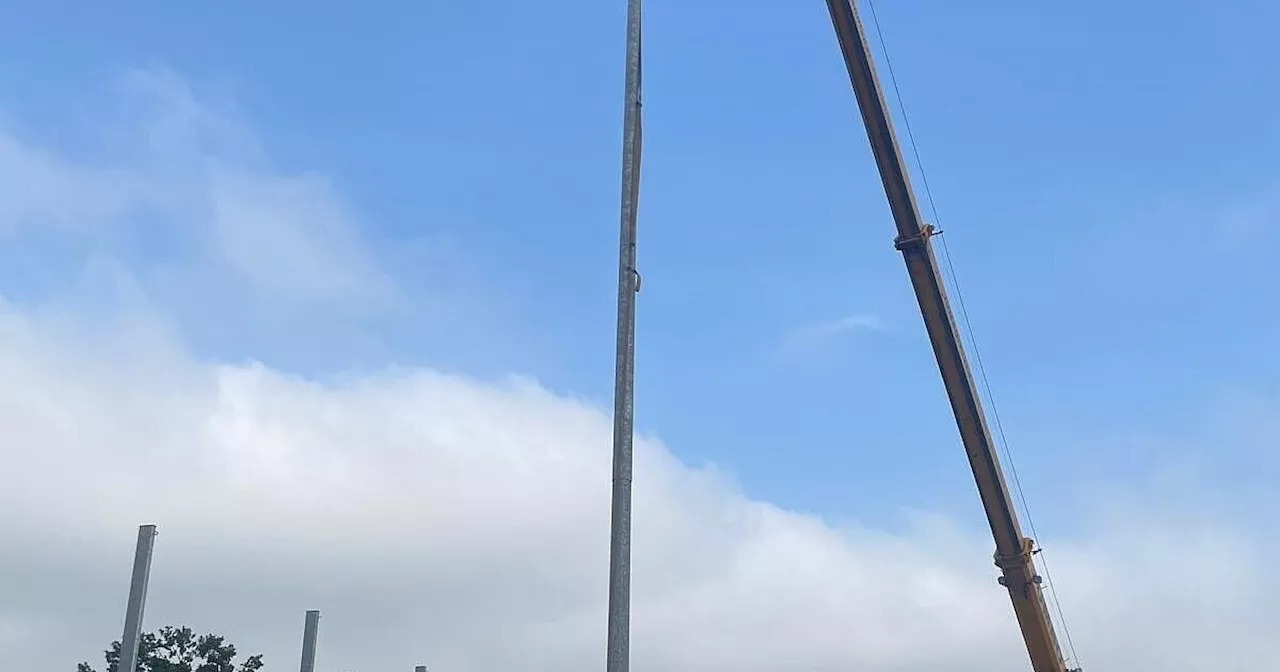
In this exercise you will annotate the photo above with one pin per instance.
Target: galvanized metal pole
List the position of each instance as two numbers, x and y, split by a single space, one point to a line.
310 632
137 598
619 632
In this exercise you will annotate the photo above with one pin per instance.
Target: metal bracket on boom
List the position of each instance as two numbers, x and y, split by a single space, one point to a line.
1019 560
919 240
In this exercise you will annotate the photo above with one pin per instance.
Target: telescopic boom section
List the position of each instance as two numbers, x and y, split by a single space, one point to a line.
1013 551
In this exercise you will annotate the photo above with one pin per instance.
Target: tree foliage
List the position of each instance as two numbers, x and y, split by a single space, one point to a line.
171 649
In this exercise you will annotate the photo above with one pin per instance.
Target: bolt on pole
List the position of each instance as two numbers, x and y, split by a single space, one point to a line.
137 598
310 632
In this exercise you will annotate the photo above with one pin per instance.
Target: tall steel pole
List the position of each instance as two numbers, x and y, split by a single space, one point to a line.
1013 551
310 632
137 598
619 633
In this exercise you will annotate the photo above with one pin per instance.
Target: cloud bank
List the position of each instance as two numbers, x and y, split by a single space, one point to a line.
462 523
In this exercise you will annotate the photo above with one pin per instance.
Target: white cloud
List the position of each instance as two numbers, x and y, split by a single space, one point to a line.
813 339
34 185
464 524
291 237
461 523
188 172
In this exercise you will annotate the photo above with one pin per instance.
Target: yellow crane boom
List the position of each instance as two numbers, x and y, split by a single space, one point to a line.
1013 551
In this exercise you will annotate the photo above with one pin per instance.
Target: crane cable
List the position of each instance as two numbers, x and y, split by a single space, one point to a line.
973 339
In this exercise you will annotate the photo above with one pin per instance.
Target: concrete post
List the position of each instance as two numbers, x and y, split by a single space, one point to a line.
310 632
137 598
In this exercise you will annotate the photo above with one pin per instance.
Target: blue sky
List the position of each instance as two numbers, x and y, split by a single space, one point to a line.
267 272
1105 175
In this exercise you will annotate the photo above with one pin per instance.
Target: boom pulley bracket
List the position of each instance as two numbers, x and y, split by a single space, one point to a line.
917 241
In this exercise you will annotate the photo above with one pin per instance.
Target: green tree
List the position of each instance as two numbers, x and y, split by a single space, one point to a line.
171 649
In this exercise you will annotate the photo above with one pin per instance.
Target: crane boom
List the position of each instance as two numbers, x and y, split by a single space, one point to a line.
1013 551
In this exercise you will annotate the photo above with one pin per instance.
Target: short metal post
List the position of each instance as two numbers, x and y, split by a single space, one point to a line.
310 631
137 598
